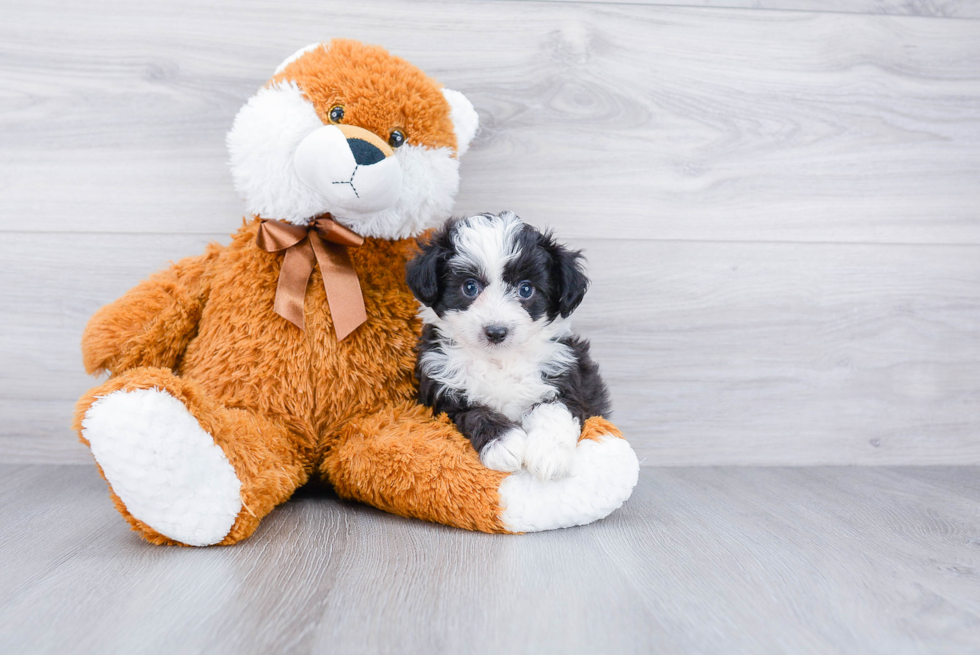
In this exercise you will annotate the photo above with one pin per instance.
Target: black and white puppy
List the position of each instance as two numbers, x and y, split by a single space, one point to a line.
497 353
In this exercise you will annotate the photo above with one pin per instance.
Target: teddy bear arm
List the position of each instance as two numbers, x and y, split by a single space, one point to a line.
152 323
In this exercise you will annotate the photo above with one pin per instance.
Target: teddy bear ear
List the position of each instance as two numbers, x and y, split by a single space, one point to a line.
296 55
464 117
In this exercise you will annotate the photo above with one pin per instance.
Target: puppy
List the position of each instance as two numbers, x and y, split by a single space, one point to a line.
497 353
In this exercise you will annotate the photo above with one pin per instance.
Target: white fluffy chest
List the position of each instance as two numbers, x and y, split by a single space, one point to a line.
510 386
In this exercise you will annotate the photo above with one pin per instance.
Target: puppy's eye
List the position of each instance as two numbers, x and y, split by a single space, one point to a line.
396 139
471 288
525 289
336 113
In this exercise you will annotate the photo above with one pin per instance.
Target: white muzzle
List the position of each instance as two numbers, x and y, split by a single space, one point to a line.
352 168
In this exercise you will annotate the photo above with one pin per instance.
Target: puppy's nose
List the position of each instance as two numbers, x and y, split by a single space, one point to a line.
495 333
365 153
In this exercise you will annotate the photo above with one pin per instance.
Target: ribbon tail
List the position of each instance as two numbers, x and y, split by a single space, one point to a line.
340 282
297 266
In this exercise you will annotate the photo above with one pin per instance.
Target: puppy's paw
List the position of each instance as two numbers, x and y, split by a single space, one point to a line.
506 452
552 433
547 460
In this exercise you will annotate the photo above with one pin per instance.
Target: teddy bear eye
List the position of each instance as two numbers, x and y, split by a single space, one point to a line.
336 114
396 139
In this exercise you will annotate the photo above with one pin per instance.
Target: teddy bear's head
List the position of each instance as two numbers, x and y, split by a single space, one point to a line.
352 130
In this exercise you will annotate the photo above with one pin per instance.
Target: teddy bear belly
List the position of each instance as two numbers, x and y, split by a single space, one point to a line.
250 359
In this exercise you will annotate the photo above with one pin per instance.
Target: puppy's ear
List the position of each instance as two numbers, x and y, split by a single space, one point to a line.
424 272
571 282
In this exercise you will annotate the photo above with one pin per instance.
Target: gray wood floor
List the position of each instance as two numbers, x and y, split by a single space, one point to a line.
700 560
779 199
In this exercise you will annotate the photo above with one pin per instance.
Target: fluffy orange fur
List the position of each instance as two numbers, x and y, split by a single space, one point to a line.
286 404
379 92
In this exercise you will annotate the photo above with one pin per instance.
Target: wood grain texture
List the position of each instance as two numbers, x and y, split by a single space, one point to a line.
716 353
927 8
780 207
776 354
640 121
705 560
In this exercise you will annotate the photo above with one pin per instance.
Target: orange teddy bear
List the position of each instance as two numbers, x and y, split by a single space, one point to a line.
239 374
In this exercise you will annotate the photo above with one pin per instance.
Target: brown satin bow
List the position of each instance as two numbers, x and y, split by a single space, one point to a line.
324 241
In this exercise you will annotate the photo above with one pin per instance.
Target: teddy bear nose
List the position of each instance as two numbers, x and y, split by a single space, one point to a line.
365 153
495 333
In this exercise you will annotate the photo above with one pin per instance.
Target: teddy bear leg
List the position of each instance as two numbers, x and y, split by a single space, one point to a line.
182 468
406 462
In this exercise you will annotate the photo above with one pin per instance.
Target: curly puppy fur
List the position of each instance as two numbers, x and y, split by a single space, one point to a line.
496 346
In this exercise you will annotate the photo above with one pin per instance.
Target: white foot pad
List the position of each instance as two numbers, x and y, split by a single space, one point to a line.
166 469
603 474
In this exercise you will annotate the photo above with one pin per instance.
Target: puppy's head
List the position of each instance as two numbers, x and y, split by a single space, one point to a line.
493 282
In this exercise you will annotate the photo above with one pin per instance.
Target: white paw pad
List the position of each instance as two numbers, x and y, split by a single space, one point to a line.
166 469
506 452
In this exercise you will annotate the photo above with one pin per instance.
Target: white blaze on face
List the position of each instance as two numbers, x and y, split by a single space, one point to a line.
485 245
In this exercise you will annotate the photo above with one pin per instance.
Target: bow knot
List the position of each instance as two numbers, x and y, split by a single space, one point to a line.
324 241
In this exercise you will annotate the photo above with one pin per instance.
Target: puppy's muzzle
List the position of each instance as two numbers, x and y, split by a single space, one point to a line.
351 167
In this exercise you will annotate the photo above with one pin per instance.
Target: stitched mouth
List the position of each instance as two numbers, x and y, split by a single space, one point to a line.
351 181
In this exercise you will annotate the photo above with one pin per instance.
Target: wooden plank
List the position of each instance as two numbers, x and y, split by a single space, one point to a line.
39 431
797 541
790 354
926 8
70 276
715 353
706 560
641 121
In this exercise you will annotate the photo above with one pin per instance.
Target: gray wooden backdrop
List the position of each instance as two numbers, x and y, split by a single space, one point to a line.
779 199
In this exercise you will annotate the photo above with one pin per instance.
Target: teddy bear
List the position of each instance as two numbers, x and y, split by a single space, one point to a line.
240 374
